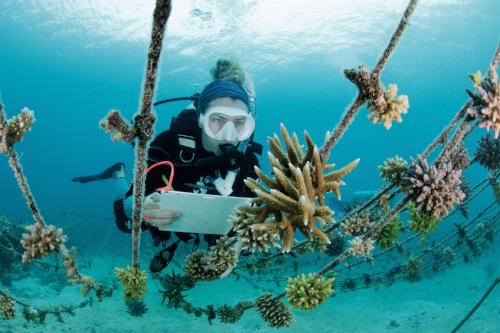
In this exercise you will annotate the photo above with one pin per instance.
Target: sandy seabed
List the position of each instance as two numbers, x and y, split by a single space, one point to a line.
436 304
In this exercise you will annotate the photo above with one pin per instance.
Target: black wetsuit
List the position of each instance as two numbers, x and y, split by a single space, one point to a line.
182 145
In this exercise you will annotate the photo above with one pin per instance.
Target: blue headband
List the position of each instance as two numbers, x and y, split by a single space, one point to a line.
221 88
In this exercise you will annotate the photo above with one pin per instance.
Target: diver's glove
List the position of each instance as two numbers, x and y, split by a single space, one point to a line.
160 218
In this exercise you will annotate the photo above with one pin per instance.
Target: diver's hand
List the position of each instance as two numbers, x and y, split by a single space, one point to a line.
237 249
160 218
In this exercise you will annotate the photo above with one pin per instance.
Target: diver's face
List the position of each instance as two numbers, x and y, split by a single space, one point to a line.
218 120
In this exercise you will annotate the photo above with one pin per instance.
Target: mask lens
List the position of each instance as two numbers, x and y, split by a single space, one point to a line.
227 124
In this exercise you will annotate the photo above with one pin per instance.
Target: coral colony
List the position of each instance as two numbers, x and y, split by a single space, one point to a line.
291 198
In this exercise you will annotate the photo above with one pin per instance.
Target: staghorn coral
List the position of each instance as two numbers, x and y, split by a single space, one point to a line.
33 315
412 269
383 203
230 315
459 158
433 188
381 102
388 107
222 256
197 269
229 69
394 170
386 237
488 152
356 225
496 191
421 222
318 244
7 308
336 247
486 103
114 123
360 247
175 285
295 199
41 241
449 256
467 190
16 127
476 78
308 292
274 311
133 282
136 308
208 266
349 284
252 239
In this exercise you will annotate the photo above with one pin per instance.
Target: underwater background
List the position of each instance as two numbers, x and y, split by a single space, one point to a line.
73 61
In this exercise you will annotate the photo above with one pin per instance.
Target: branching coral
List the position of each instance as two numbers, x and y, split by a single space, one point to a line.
360 247
222 256
318 244
295 199
466 189
114 123
382 104
488 152
308 292
412 269
7 308
449 256
174 286
16 127
389 107
486 103
41 241
230 315
459 158
75 278
208 266
496 191
197 269
394 170
434 188
252 238
133 282
421 222
336 247
136 308
356 225
386 237
274 311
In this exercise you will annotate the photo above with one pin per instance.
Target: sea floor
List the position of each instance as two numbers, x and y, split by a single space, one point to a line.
436 304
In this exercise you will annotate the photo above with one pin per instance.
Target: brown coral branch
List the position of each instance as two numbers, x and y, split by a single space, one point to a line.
145 120
395 37
58 310
15 164
456 138
443 137
341 128
372 77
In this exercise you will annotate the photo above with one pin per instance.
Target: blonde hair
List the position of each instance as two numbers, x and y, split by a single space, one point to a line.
226 68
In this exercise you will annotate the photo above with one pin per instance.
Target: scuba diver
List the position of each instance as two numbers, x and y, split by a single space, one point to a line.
210 144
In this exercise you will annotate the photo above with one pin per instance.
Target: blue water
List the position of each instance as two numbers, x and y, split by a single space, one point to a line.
73 61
